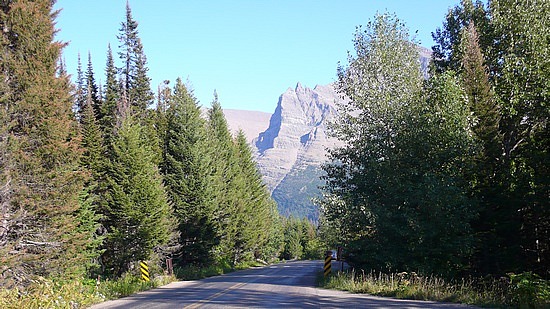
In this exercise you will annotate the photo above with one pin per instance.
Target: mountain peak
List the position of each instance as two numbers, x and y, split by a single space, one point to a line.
296 132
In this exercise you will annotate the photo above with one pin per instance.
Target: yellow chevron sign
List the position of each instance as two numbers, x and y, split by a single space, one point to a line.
328 260
144 268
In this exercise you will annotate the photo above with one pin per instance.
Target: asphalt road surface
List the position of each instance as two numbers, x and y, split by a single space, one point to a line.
287 285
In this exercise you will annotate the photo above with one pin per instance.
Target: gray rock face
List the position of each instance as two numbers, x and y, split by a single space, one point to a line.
296 136
292 147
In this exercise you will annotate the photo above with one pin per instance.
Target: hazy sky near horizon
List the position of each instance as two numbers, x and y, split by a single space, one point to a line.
249 51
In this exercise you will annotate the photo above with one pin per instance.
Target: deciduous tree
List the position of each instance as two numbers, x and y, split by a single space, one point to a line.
395 189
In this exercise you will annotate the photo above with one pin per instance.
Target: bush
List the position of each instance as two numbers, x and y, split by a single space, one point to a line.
528 290
194 272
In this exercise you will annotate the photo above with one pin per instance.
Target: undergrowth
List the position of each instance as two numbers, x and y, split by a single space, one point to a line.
48 293
525 290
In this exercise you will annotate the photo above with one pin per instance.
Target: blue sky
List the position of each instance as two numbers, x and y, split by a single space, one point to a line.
249 51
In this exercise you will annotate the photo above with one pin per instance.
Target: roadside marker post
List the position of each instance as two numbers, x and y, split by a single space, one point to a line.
169 267
328 262
144 268
340 258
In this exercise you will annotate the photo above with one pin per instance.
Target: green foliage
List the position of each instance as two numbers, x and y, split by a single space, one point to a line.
194 272
49 294
395 189
91 94
255 204
89 218
528 290
185 167
136 83
301 240
448 38
507 88
109 105
246 218
412 286
128 284
41 176
295 194
138 216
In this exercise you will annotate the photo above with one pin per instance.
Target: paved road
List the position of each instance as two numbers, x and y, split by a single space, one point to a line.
288 285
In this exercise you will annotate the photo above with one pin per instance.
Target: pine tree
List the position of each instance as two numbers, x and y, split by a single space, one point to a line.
484 180
42 173
108 113
185 168
134 69
136 88
80 89
292 239
255 203
91 93
223 180
138 215
93 157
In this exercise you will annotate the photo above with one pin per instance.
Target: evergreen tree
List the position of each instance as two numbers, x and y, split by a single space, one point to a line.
134 69
108 113
485 184
136 89
255 204
185 167
94 161
293 234
80 89
91 93
93 157
481 97
41 176
138 216
164 94
223 173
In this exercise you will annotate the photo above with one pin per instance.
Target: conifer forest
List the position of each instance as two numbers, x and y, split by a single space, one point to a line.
442 173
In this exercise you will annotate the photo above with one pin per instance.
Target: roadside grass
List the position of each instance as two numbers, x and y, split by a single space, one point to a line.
528 292
47 293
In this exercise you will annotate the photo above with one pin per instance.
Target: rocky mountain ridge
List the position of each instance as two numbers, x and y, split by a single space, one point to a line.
294 143
296 136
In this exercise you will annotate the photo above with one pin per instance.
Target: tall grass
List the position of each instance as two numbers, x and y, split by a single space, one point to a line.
46 293
501 293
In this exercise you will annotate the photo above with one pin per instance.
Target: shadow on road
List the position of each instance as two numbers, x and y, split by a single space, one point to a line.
290 285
